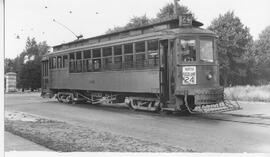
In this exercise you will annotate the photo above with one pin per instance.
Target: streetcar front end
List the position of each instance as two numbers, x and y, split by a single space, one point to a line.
197 71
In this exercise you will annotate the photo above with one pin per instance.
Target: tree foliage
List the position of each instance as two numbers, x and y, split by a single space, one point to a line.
8 65
165 12
168 10
261 57
233 45
136 21
28 64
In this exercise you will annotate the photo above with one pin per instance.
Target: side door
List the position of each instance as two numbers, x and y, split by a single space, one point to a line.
166 74
45 75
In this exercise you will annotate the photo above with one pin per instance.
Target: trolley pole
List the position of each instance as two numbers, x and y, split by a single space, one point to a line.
77 36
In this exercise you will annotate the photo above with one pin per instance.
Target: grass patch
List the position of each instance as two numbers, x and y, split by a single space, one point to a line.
64 137
249 93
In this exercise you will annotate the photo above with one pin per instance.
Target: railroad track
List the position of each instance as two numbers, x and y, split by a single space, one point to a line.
226 117
247 119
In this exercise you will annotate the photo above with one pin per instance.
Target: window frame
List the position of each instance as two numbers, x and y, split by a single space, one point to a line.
213 47
118 65
114 50
137 57
54 61
154 58
196 38
65 64
59 62
93 53
132 47
94 58
78 61
72 62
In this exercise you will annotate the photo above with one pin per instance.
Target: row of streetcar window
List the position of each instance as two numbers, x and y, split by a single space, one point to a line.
58 62
143 54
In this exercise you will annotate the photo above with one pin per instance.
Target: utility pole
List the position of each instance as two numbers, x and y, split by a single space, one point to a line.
175 7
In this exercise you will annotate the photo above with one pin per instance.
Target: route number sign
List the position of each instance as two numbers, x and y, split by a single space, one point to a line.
189 75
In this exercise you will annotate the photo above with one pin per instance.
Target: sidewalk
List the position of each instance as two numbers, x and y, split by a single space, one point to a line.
16 143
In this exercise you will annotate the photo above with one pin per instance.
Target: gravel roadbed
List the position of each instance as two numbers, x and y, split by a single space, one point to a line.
64 137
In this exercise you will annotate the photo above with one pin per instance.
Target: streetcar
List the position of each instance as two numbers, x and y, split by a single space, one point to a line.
170 65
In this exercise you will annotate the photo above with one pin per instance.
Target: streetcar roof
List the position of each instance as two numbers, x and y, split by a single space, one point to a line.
169 33
158 30
172 22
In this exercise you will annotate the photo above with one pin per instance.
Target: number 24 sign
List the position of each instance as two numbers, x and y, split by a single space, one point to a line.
189 75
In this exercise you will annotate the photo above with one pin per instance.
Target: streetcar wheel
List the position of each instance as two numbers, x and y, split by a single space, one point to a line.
58 97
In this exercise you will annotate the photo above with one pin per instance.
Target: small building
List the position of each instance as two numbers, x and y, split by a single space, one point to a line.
10 82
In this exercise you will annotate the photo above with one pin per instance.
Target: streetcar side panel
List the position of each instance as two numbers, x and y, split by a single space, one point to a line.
133 81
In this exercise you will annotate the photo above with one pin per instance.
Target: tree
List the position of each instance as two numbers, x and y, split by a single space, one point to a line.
262 57
136 21
168 10
29 74
165 12
8 65
233 45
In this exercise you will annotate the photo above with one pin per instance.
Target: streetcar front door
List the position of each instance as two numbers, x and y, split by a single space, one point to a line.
167 73
163 74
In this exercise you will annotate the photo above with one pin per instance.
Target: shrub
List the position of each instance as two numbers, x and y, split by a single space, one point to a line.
249 93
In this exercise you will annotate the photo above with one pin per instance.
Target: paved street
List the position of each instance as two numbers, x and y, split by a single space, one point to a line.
234 134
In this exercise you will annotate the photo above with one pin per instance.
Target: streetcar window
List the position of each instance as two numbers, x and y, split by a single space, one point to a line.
117 62
107 62
153 59
87 54
50 63
72 66
54 62
72 62
71 56
128 61
78 55
79 66
152 45
206 50
97 64
152 48
59 62
140 47
89 65
140 58
85 63
188 50
96 53
78 62
107 51
65 61
118 50
128 48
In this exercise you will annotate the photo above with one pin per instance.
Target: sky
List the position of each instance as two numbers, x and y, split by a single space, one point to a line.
34 18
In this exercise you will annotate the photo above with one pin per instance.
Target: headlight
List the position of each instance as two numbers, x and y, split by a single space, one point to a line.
209 76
